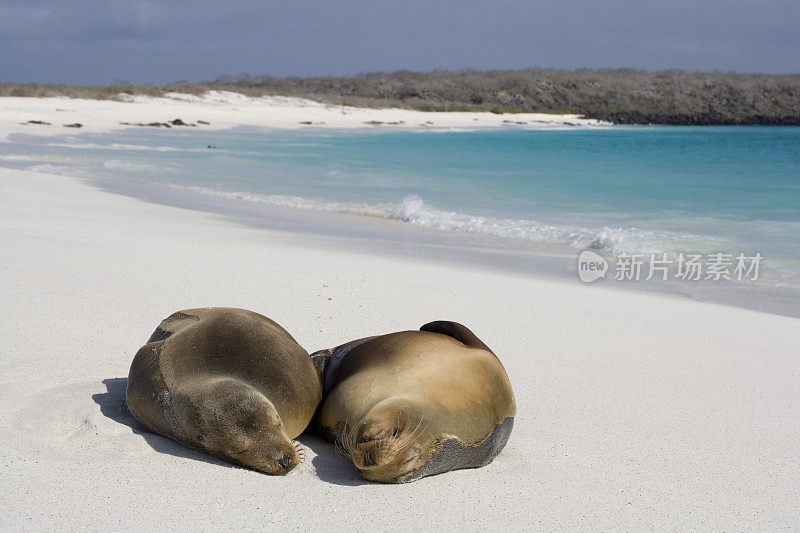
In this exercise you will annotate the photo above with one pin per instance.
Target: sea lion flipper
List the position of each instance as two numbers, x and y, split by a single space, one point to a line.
457 331
454 455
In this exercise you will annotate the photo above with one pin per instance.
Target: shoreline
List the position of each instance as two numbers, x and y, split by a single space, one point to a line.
386 237
224 110
641 408
502 254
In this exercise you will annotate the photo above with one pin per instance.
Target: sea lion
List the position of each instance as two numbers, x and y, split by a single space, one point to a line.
415 403
227 381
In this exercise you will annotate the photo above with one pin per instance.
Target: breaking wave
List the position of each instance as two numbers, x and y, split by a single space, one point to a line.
48 168
413 210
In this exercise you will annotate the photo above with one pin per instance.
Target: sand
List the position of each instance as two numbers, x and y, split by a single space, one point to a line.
224 110
634 410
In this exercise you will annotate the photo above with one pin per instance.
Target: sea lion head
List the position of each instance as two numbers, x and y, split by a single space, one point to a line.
392 441
240 425
262 444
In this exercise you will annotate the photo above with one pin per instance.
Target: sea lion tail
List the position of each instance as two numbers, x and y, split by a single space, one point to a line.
457 331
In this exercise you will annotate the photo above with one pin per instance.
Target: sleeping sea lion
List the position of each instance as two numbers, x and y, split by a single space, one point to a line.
227 381
415 403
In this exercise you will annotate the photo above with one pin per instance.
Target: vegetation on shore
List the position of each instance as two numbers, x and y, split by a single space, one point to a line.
622 96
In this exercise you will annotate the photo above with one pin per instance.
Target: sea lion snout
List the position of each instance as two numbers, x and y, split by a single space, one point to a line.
389 460
280 465
386 445
286 462
273 454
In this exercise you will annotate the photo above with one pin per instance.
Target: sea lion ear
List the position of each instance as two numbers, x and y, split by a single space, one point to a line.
457 331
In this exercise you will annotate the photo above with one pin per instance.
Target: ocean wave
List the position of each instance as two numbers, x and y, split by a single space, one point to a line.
16 157
116 146
115 164
413 210
47 168
145 148
616 241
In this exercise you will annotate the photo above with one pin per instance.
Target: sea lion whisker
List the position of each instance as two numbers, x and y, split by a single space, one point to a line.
352 441
342 451
345 443
407 437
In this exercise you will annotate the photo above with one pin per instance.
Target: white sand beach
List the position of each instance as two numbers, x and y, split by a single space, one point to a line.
222 110
635 411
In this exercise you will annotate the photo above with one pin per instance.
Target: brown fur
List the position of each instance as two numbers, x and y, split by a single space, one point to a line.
227 381
392 402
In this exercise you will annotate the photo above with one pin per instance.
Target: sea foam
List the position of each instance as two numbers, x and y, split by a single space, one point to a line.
413 210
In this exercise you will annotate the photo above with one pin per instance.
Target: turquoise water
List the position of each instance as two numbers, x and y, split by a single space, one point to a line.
624 190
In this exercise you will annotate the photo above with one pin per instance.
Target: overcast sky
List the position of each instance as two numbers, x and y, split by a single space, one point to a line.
99 42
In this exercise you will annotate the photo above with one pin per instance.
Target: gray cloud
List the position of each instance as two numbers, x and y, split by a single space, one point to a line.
158 41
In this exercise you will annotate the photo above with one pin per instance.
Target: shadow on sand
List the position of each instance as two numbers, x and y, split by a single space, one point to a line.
329 466
112 405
